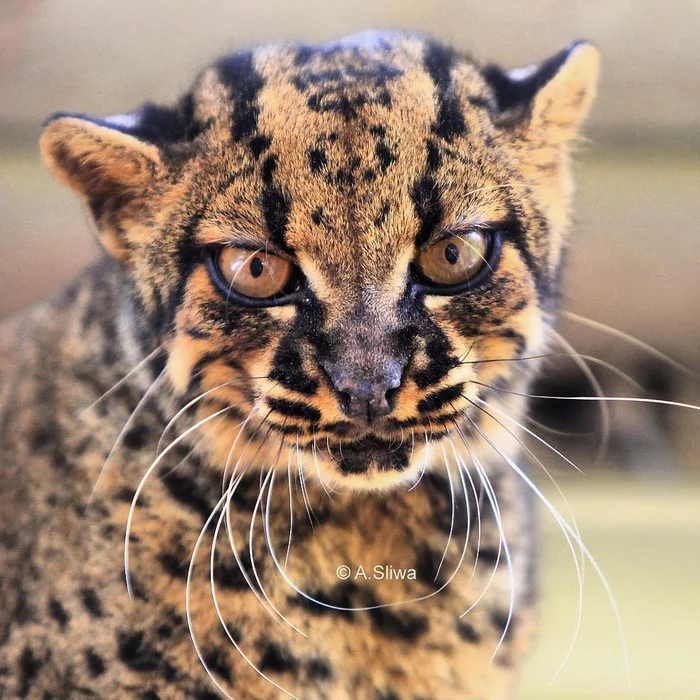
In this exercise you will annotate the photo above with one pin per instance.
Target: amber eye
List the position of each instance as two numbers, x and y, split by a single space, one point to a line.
455 260
253 273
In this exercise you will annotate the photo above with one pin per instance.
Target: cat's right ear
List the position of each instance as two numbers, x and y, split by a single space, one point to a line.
109 165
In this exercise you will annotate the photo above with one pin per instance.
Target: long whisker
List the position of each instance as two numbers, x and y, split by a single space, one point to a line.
142 483
597 388
531 433
566 526
129 422
493 499
125 378
340 608
290 485
580 566
628 399
425 463
269 478
452 512
629 339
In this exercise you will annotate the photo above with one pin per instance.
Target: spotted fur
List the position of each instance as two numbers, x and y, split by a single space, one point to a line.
347 159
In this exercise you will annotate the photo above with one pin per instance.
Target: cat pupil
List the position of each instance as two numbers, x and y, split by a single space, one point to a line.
451 253
256 267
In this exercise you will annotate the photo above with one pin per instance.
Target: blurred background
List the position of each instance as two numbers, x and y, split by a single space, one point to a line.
634 264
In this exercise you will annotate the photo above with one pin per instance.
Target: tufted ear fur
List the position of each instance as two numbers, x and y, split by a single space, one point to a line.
109 163
551 98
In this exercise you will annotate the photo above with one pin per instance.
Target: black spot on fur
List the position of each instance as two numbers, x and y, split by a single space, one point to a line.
467 632
29 667
95 663
259 144
187 492
317 216
317 159
277 658
217 662
59 613
402 625
385 155
427 202
91 602
339 596
319 669
381 218
136 437
136 653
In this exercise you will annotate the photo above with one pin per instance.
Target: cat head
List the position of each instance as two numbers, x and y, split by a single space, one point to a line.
344 239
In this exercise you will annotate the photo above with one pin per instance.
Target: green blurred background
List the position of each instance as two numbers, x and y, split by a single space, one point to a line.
634 263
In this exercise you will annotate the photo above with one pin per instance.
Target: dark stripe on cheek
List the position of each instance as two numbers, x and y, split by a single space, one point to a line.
288 369
427 202
436 400
294 409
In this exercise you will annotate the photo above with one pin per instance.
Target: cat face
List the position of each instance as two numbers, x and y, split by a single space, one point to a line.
343 239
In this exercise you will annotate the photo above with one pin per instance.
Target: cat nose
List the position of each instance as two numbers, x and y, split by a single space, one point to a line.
364 397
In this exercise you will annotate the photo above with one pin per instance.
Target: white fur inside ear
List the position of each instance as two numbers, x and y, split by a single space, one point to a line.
126 121
523 73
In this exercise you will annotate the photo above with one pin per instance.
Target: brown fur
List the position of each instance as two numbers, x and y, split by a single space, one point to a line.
348 160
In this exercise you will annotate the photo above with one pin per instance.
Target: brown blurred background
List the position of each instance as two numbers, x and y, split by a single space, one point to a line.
634 259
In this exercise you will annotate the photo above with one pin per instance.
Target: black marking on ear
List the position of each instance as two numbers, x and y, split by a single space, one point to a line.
427 202
238 73
515 97
438 399
156 124
294 409
438 61
275 204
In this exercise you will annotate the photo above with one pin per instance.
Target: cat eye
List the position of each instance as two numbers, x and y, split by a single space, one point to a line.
458 260
255 275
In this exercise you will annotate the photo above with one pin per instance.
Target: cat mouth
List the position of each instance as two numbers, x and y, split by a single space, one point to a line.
370 453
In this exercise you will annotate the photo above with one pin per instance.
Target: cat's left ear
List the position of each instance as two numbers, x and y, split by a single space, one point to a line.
110 163
551 98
